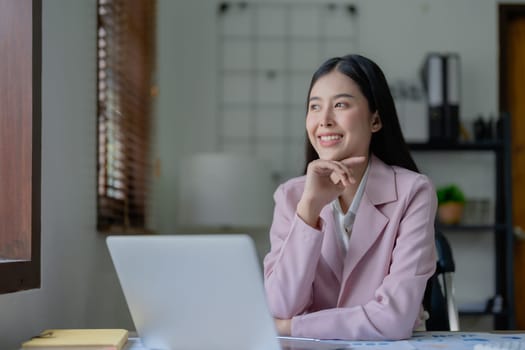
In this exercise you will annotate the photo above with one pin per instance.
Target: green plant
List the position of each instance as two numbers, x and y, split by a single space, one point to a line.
450 193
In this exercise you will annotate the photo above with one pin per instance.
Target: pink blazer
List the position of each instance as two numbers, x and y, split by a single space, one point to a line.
375 291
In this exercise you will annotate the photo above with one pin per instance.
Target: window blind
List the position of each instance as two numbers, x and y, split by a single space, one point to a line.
126 56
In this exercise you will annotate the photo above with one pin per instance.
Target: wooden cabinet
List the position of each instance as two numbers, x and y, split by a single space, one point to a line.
20 118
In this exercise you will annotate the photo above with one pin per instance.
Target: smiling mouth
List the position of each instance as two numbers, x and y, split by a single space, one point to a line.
330 137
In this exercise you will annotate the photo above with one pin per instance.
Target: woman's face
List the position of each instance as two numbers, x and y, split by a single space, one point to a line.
339 122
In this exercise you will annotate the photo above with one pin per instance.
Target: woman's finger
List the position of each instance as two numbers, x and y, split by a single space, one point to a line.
342 178
334 169
345 173
335 178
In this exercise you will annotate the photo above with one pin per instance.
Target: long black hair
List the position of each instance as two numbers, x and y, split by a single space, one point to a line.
388 143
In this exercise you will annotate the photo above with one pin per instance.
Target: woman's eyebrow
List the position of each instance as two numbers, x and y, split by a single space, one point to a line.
344 95
314 98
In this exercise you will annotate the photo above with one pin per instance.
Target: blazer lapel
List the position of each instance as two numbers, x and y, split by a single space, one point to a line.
331 249
368 225
370 221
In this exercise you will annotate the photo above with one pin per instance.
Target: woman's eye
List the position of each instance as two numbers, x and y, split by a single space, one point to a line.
314 107
340 105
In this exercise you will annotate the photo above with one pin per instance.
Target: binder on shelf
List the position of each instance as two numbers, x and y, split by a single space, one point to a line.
434 84
441 79
451 120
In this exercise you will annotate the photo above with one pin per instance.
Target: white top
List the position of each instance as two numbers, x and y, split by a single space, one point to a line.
345 222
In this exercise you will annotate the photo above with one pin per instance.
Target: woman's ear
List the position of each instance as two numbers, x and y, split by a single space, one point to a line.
376 122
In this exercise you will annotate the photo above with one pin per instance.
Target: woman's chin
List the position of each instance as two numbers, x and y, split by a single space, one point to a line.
333 156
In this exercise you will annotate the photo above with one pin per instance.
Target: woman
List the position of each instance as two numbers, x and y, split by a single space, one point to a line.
352 241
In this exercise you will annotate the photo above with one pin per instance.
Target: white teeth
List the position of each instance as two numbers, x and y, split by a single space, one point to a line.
330 138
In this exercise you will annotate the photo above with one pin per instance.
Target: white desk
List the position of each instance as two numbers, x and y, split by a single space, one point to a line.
419 341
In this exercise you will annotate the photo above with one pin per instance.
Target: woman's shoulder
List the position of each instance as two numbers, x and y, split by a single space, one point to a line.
293 183
402 180
398 172
292 188
410 176
410 183
407 173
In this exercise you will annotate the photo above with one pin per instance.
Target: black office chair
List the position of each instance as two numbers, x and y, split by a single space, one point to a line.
439 298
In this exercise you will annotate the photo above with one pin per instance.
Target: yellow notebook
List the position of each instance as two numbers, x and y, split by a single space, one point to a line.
78 339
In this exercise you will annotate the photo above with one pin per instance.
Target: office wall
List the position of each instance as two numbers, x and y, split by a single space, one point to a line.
397 34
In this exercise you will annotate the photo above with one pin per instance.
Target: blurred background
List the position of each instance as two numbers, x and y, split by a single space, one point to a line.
230 80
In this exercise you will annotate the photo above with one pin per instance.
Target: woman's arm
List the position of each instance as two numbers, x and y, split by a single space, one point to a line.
392 312
289 267
296 235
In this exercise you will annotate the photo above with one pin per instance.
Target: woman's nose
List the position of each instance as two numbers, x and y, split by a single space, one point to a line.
327 119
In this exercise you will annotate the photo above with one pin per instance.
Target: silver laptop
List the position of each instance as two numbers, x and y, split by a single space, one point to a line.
194 291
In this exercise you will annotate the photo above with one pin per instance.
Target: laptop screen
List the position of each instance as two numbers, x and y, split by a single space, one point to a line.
194 291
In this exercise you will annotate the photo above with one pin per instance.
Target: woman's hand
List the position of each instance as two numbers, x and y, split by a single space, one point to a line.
325 180
284 327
